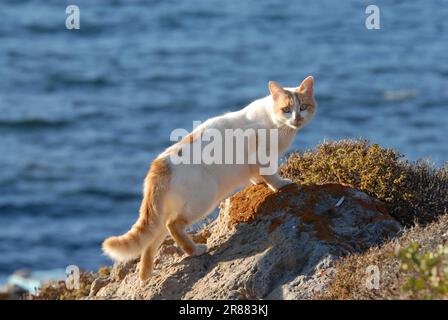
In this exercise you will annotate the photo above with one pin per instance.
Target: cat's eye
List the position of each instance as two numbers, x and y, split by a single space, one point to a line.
286 109
303 107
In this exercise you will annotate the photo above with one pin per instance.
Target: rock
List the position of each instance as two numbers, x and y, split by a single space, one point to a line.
4 295
11 292
265 245
31 281
97 284
121 269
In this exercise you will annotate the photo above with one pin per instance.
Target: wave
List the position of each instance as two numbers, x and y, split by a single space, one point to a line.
59 81
34 123
400 95
103 193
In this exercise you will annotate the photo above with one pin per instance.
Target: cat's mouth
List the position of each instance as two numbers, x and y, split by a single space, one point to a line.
294 125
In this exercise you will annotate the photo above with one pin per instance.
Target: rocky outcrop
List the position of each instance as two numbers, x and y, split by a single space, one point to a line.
263 245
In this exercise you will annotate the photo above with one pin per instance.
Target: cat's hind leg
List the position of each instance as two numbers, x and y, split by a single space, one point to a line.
193 195
148 255
176 227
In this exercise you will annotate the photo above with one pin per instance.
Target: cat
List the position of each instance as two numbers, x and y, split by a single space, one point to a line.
177 195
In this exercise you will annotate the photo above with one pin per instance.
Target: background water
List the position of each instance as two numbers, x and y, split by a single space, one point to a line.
83 112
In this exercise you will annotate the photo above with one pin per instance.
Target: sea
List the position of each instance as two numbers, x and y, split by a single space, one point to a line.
84 111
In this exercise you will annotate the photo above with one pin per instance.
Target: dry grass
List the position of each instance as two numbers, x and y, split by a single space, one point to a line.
351 277
413 192
416 195
57 290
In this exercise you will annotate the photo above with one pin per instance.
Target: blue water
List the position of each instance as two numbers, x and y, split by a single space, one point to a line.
83 112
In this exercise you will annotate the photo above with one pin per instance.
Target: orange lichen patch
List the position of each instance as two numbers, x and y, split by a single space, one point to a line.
275 222
335 189
245 203
321 222
321 226
259 200
373 206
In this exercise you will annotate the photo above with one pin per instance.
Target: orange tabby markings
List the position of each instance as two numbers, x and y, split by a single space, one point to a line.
175 196
282 98
191 137
130 245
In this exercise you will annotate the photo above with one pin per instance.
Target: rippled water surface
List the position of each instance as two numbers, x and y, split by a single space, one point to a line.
82 113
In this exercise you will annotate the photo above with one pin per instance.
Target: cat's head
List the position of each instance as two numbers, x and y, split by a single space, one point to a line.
293 107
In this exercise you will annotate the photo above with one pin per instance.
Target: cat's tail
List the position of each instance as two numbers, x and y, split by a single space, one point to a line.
131 244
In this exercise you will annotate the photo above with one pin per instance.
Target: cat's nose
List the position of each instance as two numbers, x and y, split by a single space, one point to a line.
297 120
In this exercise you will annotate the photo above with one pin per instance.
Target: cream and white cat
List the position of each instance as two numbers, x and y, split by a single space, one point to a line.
177 195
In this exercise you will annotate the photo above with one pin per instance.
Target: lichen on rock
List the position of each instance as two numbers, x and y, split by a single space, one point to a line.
264 244
291 244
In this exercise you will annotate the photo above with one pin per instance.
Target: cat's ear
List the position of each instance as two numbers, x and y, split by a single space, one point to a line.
307 86
276 90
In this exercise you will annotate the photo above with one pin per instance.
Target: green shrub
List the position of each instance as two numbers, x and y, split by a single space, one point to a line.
57 290
427 272
413 192
407 267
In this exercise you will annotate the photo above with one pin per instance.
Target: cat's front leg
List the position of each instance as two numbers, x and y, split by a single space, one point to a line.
275 182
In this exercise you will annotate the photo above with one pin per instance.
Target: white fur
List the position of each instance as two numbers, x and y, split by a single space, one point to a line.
187 192
196 189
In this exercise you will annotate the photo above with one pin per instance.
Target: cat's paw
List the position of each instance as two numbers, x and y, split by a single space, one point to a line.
146 276
200 250
155 273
